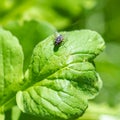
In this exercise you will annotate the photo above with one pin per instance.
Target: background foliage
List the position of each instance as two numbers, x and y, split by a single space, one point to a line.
99 15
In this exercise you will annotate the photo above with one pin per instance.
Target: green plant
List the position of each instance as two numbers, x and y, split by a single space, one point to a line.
59 80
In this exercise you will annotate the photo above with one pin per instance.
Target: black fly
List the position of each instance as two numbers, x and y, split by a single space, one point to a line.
58 39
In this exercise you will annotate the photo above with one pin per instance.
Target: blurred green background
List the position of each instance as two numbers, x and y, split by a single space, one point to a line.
28 18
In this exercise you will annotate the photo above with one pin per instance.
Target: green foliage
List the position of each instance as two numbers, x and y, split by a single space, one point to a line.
60 78
59 13
11 68
32 21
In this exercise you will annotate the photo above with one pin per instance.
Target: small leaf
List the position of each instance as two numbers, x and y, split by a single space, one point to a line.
11 68
61 78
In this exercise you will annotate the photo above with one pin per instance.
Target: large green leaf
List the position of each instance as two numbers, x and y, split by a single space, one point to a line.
61 78
11 68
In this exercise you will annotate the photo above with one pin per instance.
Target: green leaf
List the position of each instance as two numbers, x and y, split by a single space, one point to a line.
61 78
29 34
11 68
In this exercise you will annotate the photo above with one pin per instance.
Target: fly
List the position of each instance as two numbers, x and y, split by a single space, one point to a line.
58 39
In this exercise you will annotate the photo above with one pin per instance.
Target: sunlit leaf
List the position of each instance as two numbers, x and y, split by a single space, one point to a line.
11 68
62 78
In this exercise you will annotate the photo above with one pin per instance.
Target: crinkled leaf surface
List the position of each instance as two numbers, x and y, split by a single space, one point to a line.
11 67
61 78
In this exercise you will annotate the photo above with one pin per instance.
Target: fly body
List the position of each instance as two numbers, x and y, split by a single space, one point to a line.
58 39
